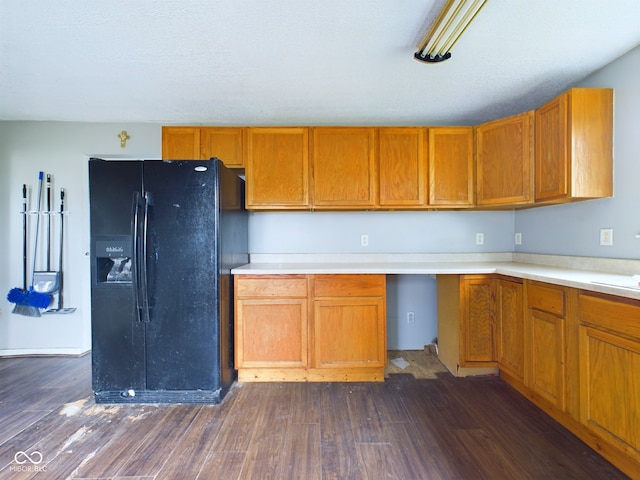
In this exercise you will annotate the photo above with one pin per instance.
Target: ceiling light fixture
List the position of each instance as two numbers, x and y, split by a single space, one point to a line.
454 18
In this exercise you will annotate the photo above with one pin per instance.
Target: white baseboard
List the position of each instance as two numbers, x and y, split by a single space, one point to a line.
44 352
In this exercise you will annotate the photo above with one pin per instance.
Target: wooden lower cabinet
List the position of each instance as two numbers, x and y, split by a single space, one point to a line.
310 327
466 322
609 374
510 327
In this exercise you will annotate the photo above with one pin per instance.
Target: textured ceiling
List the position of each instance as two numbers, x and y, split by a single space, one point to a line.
293 62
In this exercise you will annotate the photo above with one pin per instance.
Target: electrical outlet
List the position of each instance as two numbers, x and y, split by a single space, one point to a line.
364 240
518 238
479 238
606 237
411 317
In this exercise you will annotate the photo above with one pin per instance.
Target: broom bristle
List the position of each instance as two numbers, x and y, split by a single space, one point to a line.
28 298
26 310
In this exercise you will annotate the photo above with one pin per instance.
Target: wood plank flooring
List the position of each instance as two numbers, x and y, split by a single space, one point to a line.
404 428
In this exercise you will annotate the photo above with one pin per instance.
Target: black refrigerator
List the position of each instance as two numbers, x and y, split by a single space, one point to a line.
164 238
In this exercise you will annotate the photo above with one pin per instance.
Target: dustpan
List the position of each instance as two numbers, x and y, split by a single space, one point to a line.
47 281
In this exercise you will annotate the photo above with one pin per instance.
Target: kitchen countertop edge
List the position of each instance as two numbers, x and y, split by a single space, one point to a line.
559 275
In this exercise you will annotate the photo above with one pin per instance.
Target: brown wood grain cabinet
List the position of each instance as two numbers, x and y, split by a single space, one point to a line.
202 143
510 326
225 143
402 167
343 162
271 323
349 320
546 344
466 323
574 146
180 143
504 161
609 371
451 167
277 168
310 327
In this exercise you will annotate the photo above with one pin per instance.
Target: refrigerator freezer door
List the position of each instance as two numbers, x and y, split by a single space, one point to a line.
117 341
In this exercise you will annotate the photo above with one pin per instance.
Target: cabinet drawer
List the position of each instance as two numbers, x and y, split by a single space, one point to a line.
546 299
271 286
342 285
619 316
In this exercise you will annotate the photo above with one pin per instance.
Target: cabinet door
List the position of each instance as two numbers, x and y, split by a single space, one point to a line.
574 146
225 143
478 302
344 170
277 168
451 174
510 328
504 153
181 143
349 320
349 332
551 165
547 367
609 366
271 333
402 167
271 321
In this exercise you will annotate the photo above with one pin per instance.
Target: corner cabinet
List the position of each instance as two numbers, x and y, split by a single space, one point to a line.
466 323
277 176
574 146
310 327
451 167
504 159
344 167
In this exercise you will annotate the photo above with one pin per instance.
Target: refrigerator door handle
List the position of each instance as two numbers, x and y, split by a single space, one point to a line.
145 314
137 256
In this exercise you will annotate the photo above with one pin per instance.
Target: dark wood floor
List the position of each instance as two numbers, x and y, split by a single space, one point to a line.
404 428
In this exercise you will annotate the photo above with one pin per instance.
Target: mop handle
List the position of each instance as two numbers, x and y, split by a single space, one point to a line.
60 256
48 222
35 242
24 236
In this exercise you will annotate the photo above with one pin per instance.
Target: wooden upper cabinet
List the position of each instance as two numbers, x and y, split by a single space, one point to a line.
574 146
225 143
344 167
402 167
181 143
504 161
203 143
451 173
277 168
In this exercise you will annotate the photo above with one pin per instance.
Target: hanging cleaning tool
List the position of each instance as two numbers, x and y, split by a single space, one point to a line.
47 281
60 308
19 293
31 300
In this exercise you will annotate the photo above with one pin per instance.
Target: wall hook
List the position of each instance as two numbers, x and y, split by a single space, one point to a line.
123 136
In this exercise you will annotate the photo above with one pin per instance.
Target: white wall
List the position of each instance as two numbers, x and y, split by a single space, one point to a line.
575 229
389 232
60 149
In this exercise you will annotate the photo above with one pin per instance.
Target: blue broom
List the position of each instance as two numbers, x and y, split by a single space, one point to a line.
29 302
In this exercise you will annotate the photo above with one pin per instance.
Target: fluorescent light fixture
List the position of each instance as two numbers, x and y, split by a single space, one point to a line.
454 18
